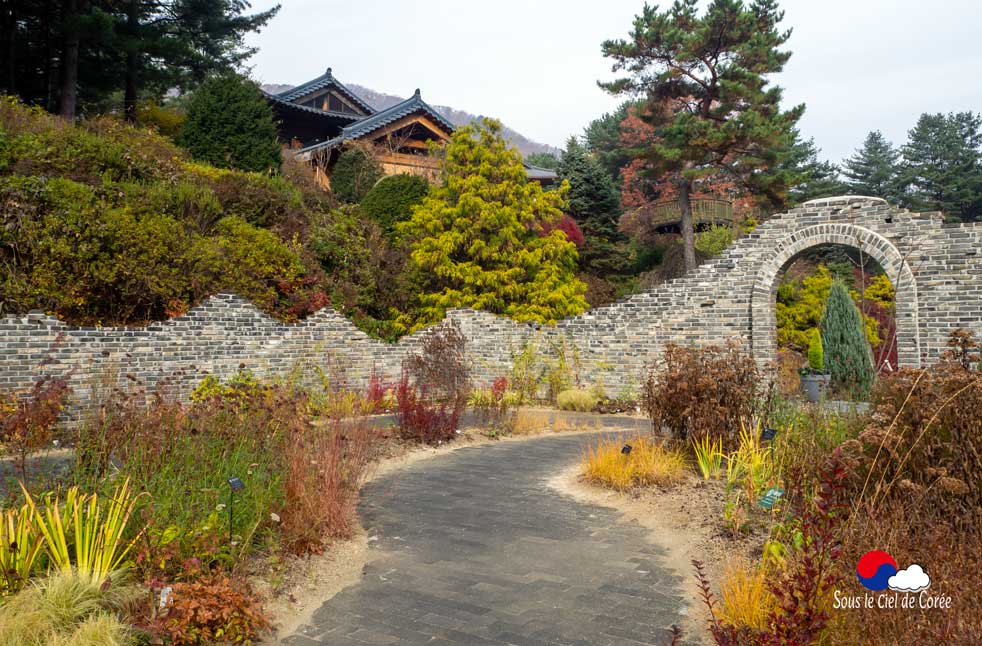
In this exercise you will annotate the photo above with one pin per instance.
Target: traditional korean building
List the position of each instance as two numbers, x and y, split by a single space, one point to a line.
322 117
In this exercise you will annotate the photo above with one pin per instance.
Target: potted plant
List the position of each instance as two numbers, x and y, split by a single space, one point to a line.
814 379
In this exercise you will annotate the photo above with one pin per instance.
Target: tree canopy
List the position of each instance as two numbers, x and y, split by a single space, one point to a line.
485 238
873 169
230 125
354 175
391 200
942 165
593 202
62 53
705 83
817 178
542 160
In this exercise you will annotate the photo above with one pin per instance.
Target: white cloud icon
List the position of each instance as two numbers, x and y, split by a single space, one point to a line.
912 579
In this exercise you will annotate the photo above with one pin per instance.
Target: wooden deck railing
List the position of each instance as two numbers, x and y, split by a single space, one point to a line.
704 211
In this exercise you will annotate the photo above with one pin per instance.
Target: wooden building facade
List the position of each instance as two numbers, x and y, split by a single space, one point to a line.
322 117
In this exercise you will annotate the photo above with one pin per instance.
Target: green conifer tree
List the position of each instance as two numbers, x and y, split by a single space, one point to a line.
942 167
542 160
230 125
480 239
818 178
845 349
872 170
392 198
706 83
594 204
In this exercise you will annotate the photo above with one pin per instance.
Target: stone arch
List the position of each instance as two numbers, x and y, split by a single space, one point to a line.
763 318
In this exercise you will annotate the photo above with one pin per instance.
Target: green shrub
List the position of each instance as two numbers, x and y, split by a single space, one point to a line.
230 125
576 399
714 240
816 356
391 200
167 121
846 352
92 262
354 175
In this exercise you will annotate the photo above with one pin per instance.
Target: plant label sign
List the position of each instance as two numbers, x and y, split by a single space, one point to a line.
768 500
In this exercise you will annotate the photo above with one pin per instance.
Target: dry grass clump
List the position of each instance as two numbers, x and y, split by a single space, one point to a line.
576 399
745 599
65 609
648 463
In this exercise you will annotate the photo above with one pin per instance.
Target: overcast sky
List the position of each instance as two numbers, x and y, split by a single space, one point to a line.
858 65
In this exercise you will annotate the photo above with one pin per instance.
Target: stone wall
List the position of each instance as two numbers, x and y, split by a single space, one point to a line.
936 270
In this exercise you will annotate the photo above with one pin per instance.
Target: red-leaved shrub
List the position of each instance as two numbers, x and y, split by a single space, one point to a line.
702 391
324 469
26 423
421 419
215 608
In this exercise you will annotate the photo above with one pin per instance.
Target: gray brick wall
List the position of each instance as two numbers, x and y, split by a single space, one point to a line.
936 269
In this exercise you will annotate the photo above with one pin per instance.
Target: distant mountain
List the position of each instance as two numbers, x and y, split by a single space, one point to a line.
381 101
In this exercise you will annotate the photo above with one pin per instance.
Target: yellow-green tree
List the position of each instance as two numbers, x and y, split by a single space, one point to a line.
485 237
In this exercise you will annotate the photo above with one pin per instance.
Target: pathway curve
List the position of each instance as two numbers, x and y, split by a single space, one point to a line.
473 548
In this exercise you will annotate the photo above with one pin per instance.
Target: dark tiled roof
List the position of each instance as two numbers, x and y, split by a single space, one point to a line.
381 119
275 98
324 80
535 172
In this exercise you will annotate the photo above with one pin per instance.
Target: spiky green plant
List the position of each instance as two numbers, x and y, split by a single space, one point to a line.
709 456
20 544
846 352
85 536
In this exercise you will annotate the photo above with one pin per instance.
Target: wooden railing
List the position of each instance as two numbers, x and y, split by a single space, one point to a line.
704 211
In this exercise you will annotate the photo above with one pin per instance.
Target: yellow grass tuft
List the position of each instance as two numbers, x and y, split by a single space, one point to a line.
648 463
577 399
744 597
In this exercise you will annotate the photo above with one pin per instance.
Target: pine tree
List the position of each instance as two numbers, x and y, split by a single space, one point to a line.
593 203
846 351
67 54
603 138
230 125
818 178
479 241
942 167
706 84
872 171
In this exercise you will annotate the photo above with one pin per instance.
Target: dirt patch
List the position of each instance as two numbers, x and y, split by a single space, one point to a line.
309 582
685 520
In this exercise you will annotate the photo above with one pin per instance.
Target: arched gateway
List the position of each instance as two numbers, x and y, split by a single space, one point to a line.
894 262
936 269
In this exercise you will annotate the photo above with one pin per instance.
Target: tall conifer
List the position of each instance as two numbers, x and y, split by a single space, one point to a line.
846 352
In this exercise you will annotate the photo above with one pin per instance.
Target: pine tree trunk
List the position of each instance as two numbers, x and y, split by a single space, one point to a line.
132 62
69 60
7 29
687 226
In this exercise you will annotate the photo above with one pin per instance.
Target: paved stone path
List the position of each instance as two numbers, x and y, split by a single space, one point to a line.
473 548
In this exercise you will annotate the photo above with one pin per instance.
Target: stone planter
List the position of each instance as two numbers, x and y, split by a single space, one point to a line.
814 385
